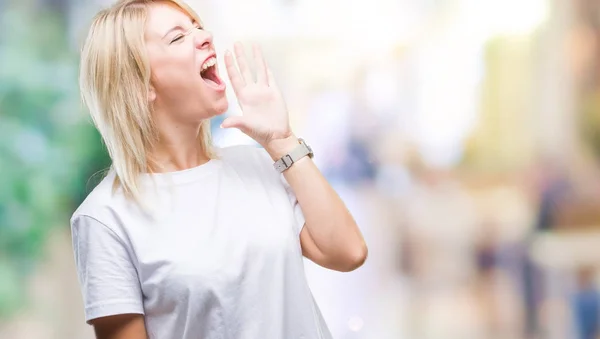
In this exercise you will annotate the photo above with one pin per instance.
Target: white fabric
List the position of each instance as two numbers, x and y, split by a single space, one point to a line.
219 258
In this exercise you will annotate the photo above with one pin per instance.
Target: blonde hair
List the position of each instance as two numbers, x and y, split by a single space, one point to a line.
115 81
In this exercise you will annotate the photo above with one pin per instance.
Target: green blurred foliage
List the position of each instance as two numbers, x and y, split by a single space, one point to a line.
48 146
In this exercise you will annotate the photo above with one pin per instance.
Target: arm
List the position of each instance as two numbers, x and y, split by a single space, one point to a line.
123 326
109 283
330 237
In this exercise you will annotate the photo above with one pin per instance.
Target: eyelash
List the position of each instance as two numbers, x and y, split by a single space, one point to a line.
181 36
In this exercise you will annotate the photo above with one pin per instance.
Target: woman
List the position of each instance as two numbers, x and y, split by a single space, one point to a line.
180 239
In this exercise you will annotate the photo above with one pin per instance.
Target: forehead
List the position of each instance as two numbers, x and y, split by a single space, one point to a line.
163 16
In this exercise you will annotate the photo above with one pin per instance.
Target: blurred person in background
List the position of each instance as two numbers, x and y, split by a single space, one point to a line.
586 304
182 239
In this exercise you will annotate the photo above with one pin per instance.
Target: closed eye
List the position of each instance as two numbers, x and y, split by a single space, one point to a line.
181 36
177 38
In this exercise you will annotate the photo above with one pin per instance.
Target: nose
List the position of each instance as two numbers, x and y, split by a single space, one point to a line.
203 39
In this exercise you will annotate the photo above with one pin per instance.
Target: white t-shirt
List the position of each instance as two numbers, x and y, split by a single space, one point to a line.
219 259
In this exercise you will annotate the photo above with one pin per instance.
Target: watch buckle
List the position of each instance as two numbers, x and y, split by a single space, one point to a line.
287 160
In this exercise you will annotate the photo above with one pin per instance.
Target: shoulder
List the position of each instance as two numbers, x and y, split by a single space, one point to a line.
101 204
100 195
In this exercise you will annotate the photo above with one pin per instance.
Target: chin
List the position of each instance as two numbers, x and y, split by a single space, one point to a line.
221 106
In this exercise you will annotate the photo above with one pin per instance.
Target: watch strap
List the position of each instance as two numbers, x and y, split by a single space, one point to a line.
296 154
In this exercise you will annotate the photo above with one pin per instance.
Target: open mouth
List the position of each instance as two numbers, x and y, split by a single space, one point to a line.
209 73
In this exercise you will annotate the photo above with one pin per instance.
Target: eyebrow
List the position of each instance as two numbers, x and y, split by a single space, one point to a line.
178 28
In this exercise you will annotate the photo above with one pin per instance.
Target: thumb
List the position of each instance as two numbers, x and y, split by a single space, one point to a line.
235 122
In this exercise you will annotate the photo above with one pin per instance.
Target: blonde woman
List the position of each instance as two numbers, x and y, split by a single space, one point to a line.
180 239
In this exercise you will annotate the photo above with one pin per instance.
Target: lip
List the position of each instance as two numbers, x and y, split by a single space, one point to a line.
212 55
220 87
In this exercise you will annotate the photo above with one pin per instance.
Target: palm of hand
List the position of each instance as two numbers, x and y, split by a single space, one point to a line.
265 117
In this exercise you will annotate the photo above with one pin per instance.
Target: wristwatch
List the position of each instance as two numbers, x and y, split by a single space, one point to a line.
296 154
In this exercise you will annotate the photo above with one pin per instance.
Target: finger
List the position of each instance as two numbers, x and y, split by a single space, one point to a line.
270 76
240 57
234 75
261 69
235 122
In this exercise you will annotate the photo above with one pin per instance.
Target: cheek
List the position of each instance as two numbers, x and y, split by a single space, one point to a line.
169 72
170 69
160 72
184 59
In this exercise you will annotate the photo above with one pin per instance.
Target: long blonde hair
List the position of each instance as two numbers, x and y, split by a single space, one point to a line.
115 81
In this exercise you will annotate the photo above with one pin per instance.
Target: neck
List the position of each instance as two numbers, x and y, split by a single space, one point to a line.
178 148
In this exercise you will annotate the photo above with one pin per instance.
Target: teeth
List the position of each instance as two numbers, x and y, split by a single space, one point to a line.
209 63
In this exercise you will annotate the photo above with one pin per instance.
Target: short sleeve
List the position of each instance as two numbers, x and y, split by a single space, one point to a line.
107 276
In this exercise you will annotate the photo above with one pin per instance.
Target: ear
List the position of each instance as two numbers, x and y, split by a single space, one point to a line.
151 94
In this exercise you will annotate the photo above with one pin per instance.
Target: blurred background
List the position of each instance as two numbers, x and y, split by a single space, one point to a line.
464 135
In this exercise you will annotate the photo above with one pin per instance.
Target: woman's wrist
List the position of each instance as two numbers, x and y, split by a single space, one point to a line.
277 148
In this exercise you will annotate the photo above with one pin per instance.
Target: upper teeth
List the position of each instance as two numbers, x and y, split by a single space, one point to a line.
209 63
